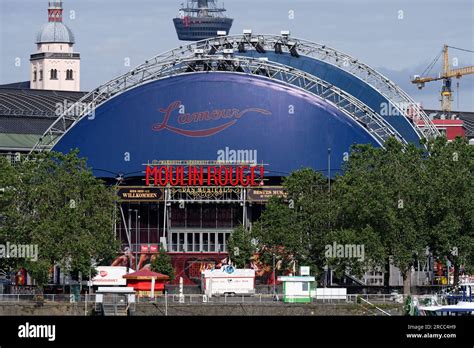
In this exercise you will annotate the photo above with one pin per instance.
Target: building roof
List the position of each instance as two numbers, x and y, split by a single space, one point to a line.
55 32
25 114
466 116
145 273
17 99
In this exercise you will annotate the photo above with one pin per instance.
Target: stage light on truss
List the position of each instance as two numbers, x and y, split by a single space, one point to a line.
213 50
278 48
221 33
241 47
228 51
257 45
285 33
247 32
293 50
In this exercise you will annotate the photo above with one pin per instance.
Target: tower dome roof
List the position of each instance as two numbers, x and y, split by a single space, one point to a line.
55 32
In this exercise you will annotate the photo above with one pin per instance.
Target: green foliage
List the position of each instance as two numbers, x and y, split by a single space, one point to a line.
162 264
384 188
295 228
240 247
55 202
450 201
395 201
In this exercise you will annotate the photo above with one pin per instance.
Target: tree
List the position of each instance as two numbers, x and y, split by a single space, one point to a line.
161 263
240 247
303 225
384 189
56 203
450 202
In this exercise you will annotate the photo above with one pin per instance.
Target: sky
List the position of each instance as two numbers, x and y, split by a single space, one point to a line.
399 38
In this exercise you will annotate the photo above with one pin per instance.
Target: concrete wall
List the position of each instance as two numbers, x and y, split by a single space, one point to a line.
153 309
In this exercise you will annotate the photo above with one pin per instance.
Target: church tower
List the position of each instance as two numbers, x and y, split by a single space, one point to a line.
55 66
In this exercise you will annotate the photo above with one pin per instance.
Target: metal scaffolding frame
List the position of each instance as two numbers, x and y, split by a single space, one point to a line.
399 99
403 103
225 62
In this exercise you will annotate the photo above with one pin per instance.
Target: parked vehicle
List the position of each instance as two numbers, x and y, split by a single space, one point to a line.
228 280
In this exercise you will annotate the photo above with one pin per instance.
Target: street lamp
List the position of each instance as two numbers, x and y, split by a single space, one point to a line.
136 238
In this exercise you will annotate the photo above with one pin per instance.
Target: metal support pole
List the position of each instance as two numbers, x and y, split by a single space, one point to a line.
115 220
165 209
243 208
329 169
136 239
127 230
274 280
152 288
130 227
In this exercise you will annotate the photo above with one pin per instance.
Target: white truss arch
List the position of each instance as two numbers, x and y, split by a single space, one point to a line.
399 99
212 57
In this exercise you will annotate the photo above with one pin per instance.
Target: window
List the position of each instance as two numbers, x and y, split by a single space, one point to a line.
305 286
227 236
181 242
174 242
54 74
220 242
199 241
34 75
212 246
41 75
69 74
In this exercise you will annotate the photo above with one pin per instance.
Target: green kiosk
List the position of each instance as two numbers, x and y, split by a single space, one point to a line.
298 289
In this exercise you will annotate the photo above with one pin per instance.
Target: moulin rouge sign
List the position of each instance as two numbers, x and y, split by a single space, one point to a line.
222 175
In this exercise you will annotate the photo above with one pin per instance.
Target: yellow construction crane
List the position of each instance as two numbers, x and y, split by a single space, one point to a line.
446 76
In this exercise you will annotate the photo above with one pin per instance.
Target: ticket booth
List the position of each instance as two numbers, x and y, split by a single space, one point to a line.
143 280
298 289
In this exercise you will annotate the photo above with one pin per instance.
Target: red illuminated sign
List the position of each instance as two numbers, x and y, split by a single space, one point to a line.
227 175
149 248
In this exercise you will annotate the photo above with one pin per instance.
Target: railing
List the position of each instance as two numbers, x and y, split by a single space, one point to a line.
57 298
174 299
52 55
271 298
372 305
